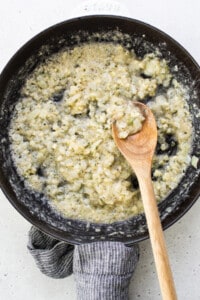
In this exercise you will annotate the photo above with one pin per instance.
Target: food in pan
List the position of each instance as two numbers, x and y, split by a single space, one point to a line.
61 138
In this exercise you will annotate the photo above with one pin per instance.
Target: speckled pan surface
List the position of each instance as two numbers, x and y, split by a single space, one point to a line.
35 207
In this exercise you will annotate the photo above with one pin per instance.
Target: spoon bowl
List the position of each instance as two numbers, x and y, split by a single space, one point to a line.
138 149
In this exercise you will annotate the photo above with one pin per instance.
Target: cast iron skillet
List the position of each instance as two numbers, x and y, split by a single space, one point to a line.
34 207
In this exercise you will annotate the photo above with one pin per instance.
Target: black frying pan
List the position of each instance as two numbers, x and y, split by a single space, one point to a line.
33 206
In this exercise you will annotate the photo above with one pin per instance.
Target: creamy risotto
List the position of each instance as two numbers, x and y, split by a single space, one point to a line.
61 137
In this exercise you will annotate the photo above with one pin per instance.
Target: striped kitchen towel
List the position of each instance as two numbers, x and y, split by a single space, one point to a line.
102 270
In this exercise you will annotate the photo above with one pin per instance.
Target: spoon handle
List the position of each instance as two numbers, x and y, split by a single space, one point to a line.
157 239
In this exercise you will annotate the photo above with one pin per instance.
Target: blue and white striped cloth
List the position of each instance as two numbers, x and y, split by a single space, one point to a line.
102 270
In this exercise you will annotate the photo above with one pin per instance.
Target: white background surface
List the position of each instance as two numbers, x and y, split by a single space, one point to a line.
19 278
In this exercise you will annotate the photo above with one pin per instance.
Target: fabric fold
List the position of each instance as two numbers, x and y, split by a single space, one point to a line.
54 258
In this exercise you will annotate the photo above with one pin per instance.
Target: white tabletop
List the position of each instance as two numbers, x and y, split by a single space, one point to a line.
19 278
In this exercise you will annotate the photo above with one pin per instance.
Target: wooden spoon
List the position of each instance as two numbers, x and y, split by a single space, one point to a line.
138 149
